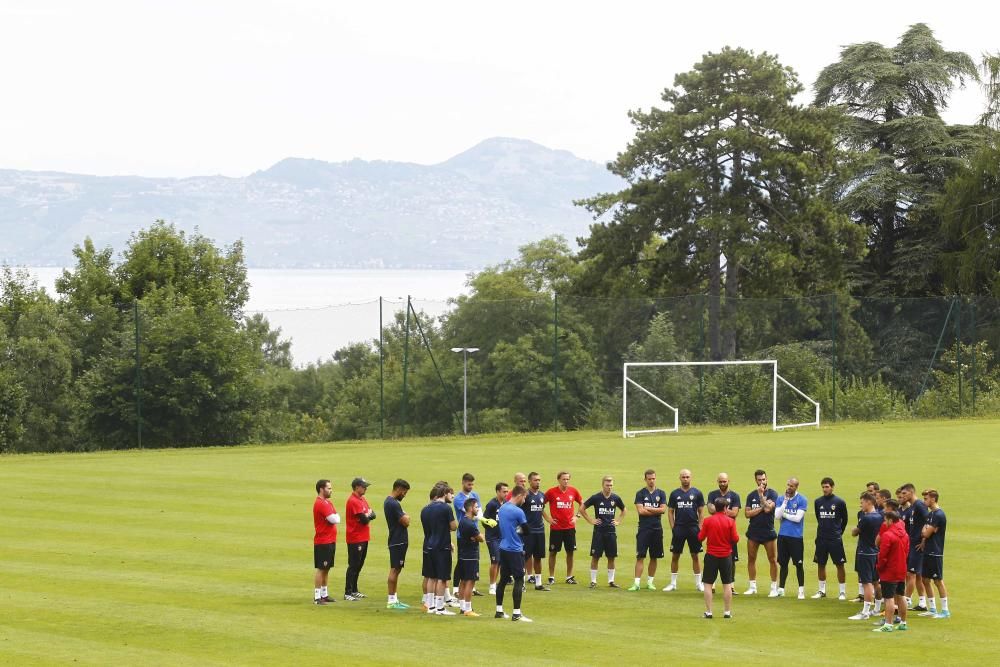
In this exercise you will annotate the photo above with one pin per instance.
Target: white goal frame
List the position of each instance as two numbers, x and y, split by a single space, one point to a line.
775 379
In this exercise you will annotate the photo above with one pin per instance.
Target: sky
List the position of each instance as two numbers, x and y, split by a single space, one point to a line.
185 88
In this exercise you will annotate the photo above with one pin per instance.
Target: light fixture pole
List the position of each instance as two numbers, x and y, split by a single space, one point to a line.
466 351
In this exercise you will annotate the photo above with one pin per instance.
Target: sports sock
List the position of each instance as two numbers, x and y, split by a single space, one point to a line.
923 601
638 580
878 606
649 580
500 608
393 598
439 602
517 612
673 578
697 579
867 609
822 586
802 590
944 604
317 593
323 592
843 588
493 589
593 576
611 576
752 584
774 585
861 589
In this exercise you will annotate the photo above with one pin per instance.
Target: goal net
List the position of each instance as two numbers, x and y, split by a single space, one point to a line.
734 391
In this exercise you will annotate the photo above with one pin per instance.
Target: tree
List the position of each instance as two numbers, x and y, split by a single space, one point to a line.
892 98
726 194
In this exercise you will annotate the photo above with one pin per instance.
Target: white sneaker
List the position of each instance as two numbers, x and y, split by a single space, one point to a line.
444 612
842 597
776 593
701 587
493 590
819 594
452 602
750 591
802 596
860 616
521 618
670 587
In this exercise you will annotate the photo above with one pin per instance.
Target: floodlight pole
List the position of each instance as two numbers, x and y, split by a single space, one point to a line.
465 384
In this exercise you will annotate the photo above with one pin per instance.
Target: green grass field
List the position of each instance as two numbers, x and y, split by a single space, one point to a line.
203 556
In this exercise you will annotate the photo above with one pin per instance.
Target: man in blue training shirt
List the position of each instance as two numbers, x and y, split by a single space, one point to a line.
684 510
605 540
466 492
468 541
651 505
512 524
534 538
791 510
866 556
733 507
760 531
831 522
493 533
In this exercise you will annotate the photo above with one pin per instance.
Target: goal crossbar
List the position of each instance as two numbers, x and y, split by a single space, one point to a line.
775 379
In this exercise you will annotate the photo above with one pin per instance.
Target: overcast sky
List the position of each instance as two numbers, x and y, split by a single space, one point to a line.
183 88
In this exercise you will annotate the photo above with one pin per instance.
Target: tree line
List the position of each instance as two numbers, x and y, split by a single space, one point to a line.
853 238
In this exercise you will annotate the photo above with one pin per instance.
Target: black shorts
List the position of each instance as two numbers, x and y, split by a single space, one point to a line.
932 567
604 543
562 538
650 541
723 567
685 535
762 538
790 548
865 567
829 549
511 564
891 589
437 564
468 570
323 555
397 556
534 545
915 561
493 547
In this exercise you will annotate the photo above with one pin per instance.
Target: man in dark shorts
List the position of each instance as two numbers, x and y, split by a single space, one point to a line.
325 520
684 511
651 505
438 522
560 500
760 531
791 511
467 491
733 506
932 568
359 516
534 538
399 539
605 540
493 533
865 559
719 530
468 555
894 545
512 524
914 516
831 522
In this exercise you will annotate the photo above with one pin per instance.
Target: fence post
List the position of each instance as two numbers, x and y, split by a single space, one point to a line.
381 376
958 352
138 376
701 357
555 361
406 361
974 346
833 339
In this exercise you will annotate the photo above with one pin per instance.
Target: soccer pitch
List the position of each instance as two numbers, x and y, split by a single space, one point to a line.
204 557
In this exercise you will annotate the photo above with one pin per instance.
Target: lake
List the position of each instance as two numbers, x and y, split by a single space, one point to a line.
322 310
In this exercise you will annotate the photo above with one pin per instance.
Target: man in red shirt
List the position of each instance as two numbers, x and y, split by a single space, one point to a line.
894 547
560 500
719 530
359 515
325 520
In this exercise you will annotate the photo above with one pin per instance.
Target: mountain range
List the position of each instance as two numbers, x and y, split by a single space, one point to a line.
467 212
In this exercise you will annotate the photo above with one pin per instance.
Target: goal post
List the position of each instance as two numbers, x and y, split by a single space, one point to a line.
776 378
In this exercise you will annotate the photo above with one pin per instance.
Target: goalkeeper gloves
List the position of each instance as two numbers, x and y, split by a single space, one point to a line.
489 523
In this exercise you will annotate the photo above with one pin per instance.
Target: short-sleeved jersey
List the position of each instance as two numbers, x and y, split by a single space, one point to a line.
797 503
460 499
652 499
357 531
490 512
730 495
509 519
685 505
831 518
604 510
326 532
868 529
935 543
436 520
915 521
763 522
393 512
534 505
561 508
468 548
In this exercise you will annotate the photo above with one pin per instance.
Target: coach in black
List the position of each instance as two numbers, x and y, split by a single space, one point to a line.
831 522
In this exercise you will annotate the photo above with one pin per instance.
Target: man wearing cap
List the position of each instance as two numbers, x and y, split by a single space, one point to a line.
359 515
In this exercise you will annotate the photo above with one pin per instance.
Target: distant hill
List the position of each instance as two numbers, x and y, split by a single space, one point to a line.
469 211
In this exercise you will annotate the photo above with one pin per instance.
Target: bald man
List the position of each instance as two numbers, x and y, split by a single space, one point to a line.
685 506
733 507
791 510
